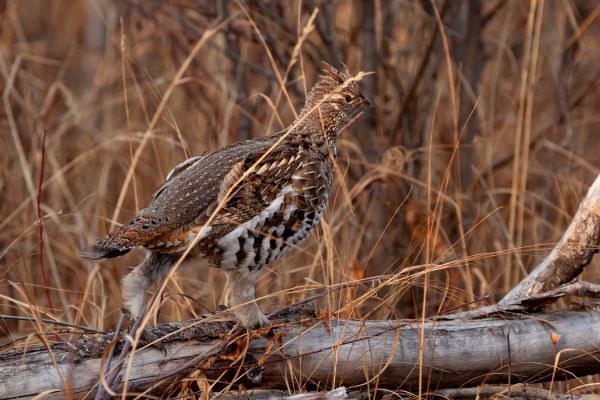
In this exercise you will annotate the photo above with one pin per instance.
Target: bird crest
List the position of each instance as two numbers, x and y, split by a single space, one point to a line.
333 100
331 81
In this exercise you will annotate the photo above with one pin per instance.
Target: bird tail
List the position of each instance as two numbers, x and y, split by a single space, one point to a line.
113 245
138 232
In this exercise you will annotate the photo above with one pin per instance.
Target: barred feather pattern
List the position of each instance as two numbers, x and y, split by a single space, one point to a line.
243 206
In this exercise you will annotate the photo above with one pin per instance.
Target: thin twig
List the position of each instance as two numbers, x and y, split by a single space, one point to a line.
114 340
40 223
51 321
112 381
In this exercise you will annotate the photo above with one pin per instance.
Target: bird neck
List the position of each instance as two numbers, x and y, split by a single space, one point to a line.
318 133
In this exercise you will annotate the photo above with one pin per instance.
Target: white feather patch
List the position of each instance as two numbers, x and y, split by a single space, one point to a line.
230 243
262 169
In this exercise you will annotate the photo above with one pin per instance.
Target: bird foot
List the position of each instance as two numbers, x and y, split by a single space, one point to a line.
252 318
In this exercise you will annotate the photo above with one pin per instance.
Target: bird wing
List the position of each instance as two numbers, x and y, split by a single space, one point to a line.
191 194
183 166
251 186
176 171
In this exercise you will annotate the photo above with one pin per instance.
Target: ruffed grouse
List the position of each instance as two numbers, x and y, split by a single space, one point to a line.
250 202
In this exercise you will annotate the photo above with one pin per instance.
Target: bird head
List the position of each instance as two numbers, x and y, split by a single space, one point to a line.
334 99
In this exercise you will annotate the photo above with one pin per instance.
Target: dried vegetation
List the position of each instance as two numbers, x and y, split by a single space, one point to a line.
483 137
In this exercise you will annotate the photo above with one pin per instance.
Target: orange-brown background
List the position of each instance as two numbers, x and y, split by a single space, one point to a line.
477 150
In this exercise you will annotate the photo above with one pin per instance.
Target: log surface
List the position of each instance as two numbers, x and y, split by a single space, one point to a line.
341 353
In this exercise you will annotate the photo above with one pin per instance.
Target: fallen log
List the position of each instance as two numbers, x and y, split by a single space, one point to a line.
544 347
503 343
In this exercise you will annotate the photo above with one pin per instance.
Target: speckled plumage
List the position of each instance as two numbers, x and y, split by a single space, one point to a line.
250 202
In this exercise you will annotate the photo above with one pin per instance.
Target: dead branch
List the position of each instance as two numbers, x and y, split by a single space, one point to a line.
553 277
512 392
270 394
345 352
570 256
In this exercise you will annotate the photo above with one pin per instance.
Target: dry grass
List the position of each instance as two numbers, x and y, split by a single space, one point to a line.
477 150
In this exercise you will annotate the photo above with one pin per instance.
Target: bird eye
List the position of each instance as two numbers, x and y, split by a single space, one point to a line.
347 98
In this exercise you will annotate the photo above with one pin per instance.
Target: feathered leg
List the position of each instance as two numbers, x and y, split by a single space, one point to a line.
241 291
135 285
